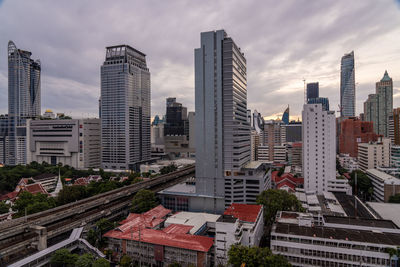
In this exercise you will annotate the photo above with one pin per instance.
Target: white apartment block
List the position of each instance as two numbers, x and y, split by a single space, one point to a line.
277 155
333 241
347 162
319 147
374 154
240 224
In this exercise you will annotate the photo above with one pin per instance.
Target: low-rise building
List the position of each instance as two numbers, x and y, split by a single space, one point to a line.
144 238
277 155
385 185
348 162
305 240
240 224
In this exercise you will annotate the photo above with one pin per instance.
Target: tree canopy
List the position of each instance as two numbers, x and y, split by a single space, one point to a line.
86 260
125 261
255 257
63 257
275 200
364 185
4 208
32 203
168 169
100 262
143 201
394 199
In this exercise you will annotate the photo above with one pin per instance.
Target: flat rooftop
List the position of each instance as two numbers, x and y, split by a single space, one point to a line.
360 222
386 178
387 211
339 234
195 219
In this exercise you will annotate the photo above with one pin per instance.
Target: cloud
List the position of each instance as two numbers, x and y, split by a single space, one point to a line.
283 41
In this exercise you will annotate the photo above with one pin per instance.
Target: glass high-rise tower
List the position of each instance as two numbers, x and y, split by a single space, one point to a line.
125 108
347 86
23 100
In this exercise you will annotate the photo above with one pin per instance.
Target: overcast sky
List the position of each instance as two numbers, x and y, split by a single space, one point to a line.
283 42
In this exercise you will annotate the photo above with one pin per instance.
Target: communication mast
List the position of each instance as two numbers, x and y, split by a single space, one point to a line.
305 91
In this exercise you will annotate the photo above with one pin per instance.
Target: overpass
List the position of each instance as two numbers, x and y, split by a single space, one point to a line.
22 236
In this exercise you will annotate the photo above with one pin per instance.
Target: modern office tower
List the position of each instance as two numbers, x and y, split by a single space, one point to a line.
379 106
347 86
285 116
176 129
176 117
222 129
23 99
258 122
352 132
125 108
394 126
319 147
374 154
71 142
384 92
293 132
3 138
312 90
320 100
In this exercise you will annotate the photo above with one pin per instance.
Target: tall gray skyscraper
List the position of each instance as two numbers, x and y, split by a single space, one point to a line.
347 86
379 106
23 100
125 108
222 129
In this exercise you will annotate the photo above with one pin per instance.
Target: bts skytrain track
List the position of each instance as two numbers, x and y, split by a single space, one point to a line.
16 235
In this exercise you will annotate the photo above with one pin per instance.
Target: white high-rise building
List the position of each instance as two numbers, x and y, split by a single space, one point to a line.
319 147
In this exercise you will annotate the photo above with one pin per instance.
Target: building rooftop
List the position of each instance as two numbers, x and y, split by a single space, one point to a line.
244 212
44 176
194 219
339 234
149 219
159 237
252 165
384 177
177 229
387 211
360 222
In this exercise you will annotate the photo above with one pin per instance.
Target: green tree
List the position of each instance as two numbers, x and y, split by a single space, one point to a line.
254 257
364 184
32 203
71 194
100 262
168 169
394 198
175 264
86 260
64 258
275 200
4 208
143 201
281 171
125 261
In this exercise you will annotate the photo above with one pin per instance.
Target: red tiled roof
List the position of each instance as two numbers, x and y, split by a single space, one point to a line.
149 219
8 196
159 237
347 175
244 212
286 176
177 229
34 189
287 183
81 181
297 145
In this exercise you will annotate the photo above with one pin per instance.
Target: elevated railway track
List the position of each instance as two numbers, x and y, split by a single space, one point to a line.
17 236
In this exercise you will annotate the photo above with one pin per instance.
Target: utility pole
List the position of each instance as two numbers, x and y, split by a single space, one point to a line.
355 197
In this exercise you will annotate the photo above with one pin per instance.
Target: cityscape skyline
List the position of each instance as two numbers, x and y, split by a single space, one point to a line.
71 77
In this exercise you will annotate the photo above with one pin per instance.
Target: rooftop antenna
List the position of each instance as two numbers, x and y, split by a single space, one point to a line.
305 91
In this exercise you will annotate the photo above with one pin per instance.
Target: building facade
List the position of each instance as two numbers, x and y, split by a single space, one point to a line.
333 240
347 86
223 140
125 108
374 154
385 185
312 90
394 126
71 142
352 132
23 100
319 147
